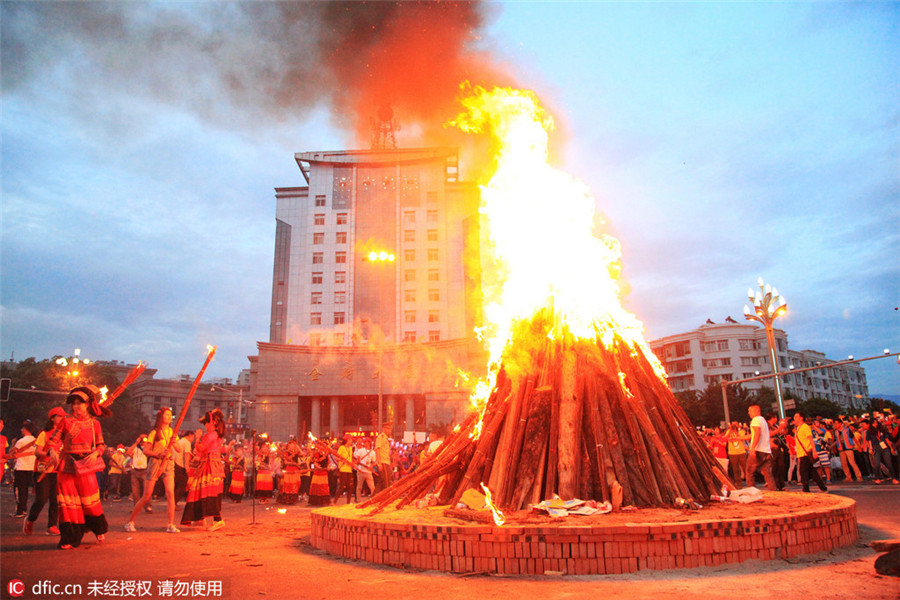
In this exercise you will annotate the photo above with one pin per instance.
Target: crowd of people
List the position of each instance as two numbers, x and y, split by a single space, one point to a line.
794 451
69 469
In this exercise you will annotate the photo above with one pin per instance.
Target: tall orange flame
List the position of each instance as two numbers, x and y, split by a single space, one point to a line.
540 224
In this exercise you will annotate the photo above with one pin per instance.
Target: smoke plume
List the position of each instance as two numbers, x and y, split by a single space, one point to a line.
237 63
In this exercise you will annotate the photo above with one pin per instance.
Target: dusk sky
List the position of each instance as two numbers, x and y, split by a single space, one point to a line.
142 142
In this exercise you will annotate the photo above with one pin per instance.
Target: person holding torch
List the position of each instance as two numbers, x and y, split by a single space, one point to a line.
157 447
81 457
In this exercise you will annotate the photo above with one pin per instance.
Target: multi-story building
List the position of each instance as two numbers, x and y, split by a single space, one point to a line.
844 384
731 351
153 394
351 332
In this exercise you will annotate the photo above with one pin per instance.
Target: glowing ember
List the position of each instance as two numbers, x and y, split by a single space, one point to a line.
499 518
540 223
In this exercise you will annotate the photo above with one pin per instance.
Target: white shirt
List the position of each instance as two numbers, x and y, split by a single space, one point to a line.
182 446
25 463
138 459
763 444
365 457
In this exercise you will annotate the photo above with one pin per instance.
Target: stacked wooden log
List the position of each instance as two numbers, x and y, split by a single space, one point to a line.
572 417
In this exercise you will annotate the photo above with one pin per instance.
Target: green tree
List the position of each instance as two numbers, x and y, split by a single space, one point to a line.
705 408
820 407
41 385
880 404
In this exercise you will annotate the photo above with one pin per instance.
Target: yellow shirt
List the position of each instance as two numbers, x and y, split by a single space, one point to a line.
158 444
345 452
803 441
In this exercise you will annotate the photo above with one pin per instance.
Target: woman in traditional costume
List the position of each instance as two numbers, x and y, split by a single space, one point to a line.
289 491
264 483
207 475
319 493
82 445
236 489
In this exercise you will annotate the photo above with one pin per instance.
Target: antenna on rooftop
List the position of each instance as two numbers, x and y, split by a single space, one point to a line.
384 126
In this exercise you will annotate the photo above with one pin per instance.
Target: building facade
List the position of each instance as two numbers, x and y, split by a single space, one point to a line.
731 351
334 307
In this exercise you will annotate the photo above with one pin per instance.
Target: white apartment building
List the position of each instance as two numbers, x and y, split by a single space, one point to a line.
349 334
408 203
730 351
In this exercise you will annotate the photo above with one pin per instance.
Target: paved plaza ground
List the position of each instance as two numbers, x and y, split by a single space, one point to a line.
263 553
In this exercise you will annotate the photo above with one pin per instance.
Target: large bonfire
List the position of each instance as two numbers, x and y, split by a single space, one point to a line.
576 404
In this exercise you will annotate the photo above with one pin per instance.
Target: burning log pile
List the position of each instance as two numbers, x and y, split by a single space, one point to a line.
573 417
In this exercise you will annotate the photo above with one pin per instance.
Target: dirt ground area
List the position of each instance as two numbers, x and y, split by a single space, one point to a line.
268 555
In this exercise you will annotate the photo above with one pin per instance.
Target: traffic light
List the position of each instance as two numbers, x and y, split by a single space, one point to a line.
5 385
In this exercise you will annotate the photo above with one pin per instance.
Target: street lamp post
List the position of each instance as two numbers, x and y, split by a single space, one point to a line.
72 365
768 305
380 257
239 394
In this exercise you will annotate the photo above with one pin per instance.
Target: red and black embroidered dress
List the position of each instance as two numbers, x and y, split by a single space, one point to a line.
205 485
78 494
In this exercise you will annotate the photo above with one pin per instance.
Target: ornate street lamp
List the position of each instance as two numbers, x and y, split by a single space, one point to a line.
72 365
768 305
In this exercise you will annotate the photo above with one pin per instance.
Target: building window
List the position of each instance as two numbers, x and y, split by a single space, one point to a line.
409 275
409 255
409 217
409 316
339 318
316 278
319 219
342 218
409 296
409 337
432 254
434 336
315 318
432 235
315 298
315 339
318 238
340 257
722 345
318 258
340 277
409 235
434 295
434 316
746 345
432 216
338 339
340 297
320 200
340 237
433 275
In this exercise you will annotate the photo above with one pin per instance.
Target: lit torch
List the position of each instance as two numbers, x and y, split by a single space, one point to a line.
133 374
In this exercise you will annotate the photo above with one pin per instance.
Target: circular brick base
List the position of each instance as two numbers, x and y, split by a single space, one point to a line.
583 550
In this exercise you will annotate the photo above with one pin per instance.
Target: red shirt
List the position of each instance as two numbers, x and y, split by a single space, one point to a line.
78 436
